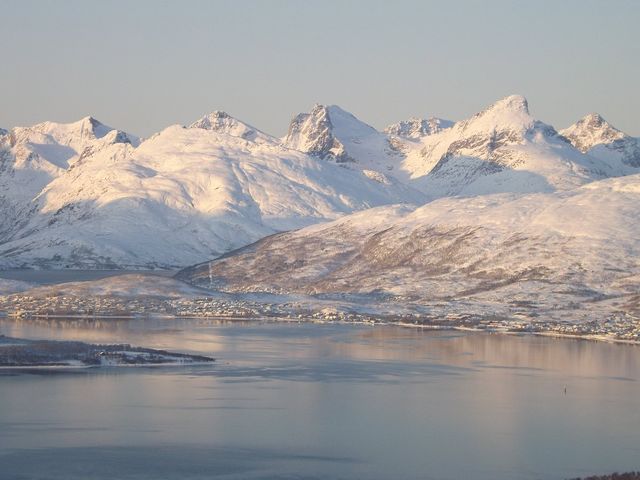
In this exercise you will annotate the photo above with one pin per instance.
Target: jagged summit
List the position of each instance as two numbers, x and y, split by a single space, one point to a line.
511 111
594 119
592 134
415 128
345 124
222 122
74 134
181 197
502 148
212 120
232 184
85 127
514 103
330 132
314 133
92 127
591 130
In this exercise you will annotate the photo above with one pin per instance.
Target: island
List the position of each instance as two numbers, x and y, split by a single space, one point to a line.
19 352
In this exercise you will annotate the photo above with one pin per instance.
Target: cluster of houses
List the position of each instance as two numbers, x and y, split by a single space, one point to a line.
621 326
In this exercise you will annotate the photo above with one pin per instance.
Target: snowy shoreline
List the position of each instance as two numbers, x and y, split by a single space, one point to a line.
23 353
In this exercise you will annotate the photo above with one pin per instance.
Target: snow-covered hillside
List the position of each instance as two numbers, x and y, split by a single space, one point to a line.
332 134
222 122
31 157
416 128
575 250
183 196
86 195
594 136
501 149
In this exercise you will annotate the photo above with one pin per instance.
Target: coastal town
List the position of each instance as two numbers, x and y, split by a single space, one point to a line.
614 327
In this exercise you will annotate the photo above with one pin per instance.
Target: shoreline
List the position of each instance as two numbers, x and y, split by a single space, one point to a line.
593 337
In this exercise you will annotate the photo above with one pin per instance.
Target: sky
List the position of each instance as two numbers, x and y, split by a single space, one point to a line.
143 65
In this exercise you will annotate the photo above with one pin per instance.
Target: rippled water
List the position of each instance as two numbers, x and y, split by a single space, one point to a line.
323 401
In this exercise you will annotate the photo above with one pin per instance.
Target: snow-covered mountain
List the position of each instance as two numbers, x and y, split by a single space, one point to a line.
594 136
31 157
550 250
416 128
501 149
183 196
84 194
222 122
330 133
590 131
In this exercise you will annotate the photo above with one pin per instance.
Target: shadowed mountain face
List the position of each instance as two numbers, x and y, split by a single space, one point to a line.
86 195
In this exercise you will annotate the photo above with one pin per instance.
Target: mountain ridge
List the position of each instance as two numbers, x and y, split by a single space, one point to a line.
85 194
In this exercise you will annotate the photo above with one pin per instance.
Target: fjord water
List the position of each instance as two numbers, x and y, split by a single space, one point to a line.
323 401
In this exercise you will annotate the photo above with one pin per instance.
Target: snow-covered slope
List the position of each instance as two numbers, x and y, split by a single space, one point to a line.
501 149
123 286
222 122
506 250
31 157
594 136
331 133
416 128
7 286
186 195
86 195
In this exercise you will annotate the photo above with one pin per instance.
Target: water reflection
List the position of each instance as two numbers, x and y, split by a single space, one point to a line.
325 401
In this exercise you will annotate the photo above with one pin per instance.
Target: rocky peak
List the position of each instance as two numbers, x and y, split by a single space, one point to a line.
90 128
512 103
215 120
222 122
313 133
415 128
592 130
330 132
510 114
118 136
489 141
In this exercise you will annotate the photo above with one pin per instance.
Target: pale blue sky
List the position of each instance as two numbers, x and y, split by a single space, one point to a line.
142 65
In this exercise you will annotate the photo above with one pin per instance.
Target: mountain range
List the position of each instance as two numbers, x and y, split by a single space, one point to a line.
85 195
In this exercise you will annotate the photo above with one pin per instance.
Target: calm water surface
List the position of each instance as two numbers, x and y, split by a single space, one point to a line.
298 401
